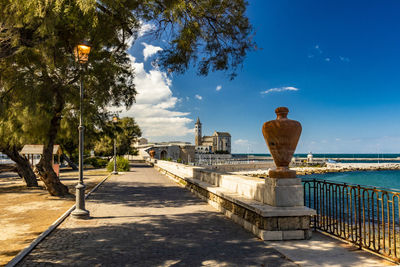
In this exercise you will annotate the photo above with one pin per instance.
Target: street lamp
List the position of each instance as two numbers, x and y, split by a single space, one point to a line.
81 53
115 120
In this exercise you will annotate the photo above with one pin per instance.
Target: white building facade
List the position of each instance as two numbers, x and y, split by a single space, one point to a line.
218 143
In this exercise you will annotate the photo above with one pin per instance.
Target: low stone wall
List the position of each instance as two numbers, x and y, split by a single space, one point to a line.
205 157
240 199
240 167
249 187
173 167
354 166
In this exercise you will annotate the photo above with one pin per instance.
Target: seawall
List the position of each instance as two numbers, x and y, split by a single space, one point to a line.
242 199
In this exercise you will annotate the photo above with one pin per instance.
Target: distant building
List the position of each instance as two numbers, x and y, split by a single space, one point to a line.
141 141
175 150
310 158
219 142
33 153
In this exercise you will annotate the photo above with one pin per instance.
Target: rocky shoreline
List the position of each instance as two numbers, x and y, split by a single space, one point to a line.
347 167
330 168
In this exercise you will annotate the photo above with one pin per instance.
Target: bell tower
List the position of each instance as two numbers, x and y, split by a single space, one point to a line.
197 133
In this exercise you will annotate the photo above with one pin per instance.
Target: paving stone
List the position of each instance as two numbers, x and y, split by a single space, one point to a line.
142 218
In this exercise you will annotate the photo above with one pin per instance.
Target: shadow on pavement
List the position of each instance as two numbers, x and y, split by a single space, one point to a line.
138 195
146 220
194 239
139 165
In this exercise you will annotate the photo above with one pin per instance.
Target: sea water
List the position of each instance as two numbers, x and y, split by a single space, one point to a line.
386 179
351 157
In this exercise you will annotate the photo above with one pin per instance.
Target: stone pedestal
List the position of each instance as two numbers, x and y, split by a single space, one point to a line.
286 192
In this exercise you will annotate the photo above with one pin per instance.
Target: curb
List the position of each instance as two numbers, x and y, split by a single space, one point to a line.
43 235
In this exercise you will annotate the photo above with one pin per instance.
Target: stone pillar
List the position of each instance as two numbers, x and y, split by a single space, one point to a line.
286 192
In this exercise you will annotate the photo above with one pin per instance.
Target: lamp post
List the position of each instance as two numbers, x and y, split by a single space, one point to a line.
81 53
115 120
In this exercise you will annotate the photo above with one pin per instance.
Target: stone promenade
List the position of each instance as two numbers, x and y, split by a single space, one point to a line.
141 218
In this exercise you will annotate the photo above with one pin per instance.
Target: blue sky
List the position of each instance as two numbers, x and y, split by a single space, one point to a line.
334 64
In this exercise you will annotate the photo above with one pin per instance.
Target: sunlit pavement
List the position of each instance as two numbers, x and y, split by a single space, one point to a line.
142 218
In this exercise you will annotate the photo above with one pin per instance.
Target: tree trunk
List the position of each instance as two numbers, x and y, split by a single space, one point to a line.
50 179
24 169
45 166
70 162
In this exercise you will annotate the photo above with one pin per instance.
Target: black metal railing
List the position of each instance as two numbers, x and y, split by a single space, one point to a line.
367 217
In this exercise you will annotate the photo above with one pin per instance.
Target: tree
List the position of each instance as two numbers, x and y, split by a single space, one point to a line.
37 38
24 168
45 76
125 131
129 132
13 133
68 136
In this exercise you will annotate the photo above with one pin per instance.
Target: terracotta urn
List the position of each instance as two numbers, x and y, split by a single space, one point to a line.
282 136
152 153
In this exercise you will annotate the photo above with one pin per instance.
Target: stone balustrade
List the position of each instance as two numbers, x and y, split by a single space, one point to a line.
244 200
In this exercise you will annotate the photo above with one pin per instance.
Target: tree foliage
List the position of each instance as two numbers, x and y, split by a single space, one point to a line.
214 35
38 72
44 77
16 130
125 133
68 136
122 165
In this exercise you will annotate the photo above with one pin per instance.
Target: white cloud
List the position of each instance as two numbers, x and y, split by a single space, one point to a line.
280 89
241 142
218 88
317 53
247 146
344 59
155 104
199 97
150 50
241 146
145 28
318 49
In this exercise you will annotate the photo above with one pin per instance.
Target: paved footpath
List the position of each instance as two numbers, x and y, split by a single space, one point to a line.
142 218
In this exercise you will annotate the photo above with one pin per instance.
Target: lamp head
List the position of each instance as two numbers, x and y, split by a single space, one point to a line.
81 52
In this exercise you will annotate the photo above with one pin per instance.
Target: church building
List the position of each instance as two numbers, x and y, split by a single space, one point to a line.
219 142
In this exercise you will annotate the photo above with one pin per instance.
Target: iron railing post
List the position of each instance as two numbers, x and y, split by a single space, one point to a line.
359 215
315 202
367 225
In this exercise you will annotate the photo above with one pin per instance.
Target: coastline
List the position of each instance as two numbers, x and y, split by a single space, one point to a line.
329 168
346 167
